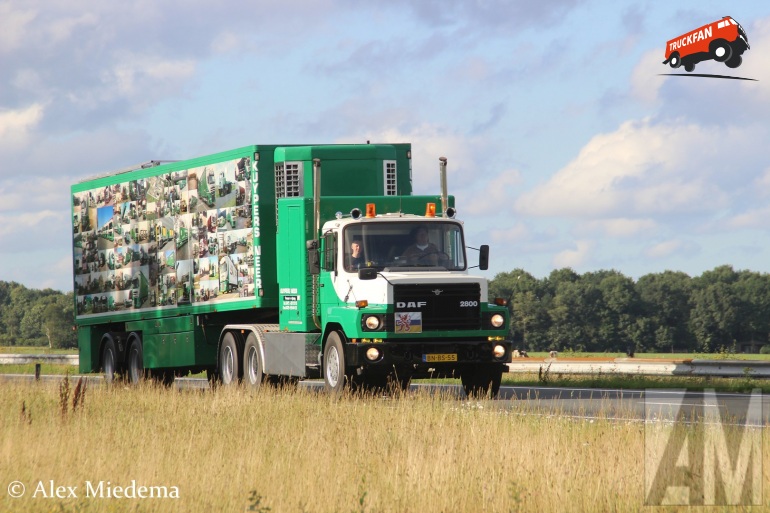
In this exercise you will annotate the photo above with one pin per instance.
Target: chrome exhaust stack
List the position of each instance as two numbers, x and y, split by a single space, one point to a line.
444 193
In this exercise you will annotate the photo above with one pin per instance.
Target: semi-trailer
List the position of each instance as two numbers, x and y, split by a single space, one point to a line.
292 301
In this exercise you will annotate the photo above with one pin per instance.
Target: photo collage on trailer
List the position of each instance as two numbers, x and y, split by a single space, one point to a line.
180 238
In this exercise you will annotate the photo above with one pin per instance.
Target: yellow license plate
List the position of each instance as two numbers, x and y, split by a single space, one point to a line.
433 358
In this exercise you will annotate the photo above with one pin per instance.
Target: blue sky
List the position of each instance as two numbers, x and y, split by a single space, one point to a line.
566 145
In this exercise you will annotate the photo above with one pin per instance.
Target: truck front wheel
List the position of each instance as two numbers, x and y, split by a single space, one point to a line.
720 50
334 363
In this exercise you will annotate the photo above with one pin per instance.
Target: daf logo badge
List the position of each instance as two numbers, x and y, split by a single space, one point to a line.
437 291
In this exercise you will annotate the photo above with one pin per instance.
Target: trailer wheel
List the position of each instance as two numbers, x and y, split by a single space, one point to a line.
721 50
229 363
253 367
135 359
334 364
481 380
674 61
109 357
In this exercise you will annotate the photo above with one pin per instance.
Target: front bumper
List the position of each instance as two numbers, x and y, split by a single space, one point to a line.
426 353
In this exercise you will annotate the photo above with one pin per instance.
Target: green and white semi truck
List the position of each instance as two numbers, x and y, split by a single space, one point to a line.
295 301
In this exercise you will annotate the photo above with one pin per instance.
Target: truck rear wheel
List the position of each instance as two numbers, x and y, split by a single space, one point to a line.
229 362
675 61
135 358
481 380
334 364
253 367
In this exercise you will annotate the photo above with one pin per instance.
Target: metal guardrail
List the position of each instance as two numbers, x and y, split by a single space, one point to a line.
645 367
20 359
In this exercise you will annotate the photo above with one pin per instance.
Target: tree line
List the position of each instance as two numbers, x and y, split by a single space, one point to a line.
720 310
30 317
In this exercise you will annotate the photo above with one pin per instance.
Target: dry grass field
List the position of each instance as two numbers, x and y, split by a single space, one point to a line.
301 451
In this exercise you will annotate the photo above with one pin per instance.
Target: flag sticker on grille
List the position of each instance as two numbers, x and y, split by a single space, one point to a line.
408 322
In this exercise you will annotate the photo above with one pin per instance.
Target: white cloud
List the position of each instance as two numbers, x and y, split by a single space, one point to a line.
621 227
15 125
516 233
670 248
15 26
754 218
17 226
143 76
575 258
646 169
645 82
496 195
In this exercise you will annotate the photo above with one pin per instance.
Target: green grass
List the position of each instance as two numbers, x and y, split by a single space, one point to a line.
45 369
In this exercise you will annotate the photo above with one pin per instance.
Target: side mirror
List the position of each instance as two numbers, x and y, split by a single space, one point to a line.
313 257
367 273
484 257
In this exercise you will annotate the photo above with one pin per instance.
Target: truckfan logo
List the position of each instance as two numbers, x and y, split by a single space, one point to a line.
722 41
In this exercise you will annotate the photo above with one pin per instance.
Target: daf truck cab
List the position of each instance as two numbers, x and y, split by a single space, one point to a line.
407 307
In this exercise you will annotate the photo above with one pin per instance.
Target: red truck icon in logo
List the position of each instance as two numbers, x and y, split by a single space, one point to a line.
723 40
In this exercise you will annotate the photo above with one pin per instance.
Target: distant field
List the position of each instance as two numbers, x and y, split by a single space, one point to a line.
34 350
300 451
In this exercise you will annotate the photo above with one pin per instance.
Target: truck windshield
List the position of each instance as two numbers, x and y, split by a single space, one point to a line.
404 246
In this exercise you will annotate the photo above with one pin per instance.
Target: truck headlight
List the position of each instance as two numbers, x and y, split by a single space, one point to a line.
372 354
372 322
498 351
497 320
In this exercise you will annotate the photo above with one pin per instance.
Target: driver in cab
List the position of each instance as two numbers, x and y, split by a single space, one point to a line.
423 252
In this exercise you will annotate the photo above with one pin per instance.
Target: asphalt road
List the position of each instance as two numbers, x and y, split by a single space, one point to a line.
580 403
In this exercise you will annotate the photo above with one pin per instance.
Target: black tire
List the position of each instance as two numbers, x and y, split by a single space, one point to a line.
689 67
734 62
674 60
109 361
229 361
135 361
720 50
482 380
253 367
334 364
